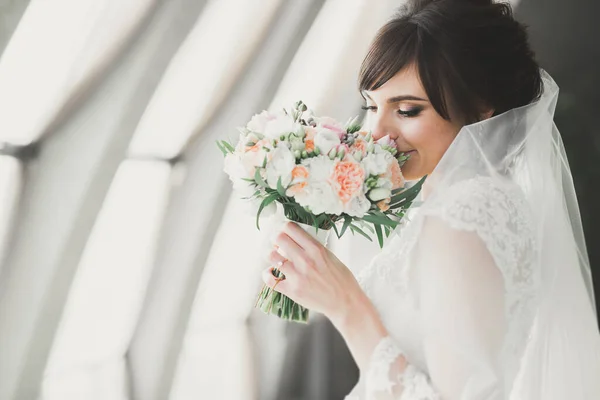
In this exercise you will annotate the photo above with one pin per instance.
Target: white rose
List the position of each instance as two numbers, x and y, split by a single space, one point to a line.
318 195
259 122
244 190
280 166
251 138
325 140
241 143
385 183
358 206
254 158
378 194
236 170
376 163
320 168
281 124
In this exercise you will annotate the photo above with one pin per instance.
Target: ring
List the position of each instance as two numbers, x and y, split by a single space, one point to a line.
282 277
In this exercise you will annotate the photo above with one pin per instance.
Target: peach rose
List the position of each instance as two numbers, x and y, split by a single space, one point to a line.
258 145
361 146
310 145
384 204
348 178
299 180
396 175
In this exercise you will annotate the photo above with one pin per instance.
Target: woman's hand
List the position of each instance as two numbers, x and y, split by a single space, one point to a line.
314 277
318 280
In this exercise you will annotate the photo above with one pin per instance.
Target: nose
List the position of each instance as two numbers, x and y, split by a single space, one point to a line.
380 126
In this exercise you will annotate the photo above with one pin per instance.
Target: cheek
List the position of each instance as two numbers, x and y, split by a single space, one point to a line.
428 136
431 137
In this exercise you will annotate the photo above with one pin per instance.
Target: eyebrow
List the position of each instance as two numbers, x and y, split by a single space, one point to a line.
397 99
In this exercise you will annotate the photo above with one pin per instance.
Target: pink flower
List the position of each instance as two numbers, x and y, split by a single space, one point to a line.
332 125
348 178
387 141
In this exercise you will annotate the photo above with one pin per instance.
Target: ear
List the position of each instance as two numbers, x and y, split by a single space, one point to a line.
487 114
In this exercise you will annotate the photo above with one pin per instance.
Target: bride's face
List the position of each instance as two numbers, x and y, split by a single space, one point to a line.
400 108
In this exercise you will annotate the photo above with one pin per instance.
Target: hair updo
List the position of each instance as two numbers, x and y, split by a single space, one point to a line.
469 54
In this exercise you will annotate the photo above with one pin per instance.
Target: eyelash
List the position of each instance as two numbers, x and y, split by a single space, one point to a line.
408 114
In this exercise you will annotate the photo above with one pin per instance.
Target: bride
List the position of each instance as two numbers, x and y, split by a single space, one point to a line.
484 292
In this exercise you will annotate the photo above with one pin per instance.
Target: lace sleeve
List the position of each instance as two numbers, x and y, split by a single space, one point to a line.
385 381
470 263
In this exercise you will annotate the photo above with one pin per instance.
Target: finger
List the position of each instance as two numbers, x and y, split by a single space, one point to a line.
300 236
275 257
281 263
280 285
290 249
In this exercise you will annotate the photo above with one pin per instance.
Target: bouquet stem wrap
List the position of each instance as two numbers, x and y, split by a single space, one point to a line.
272 302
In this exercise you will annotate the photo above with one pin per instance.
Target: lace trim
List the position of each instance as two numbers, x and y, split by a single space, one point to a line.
416 385
378 373
381 380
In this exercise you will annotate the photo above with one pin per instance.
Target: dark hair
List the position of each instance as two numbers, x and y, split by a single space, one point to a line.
471 54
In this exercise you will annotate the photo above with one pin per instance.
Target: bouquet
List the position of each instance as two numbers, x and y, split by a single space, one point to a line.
325 175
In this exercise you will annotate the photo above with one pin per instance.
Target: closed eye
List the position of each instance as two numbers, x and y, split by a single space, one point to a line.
369 108
410 113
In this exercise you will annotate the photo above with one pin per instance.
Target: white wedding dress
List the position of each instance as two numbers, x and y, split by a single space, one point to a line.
485 289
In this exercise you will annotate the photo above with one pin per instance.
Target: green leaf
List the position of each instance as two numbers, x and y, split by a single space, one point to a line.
407 195
254 195
226 145
356 229
347 222
268 200
386 231
280 188
337 233
380 220
315 225
396 191
259 179
379 234
221 148
366 226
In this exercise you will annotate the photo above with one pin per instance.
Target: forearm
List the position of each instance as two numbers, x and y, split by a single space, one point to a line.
361 327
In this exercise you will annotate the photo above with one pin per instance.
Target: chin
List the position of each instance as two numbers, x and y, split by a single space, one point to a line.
413 177
411 171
